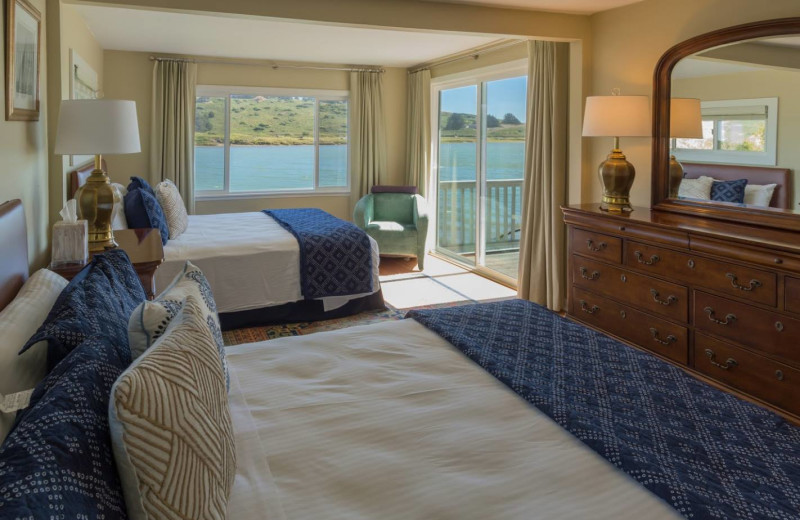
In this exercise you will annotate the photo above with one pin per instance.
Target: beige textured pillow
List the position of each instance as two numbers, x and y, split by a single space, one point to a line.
171 426
699 188
174 209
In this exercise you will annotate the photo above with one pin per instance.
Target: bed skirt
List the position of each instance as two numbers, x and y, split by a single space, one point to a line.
302 310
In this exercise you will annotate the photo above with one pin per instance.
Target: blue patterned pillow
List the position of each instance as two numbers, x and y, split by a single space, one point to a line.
139 183
728 191
98 301
58 461
142 210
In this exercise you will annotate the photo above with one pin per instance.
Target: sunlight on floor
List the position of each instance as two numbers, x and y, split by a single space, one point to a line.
442 282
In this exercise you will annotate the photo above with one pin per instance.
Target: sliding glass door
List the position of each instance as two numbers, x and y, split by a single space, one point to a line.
480 160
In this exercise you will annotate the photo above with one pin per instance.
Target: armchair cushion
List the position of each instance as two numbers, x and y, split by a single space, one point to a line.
394 207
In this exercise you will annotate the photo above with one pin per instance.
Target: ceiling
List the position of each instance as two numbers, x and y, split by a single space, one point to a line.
698 68
560 6
258 38
783 41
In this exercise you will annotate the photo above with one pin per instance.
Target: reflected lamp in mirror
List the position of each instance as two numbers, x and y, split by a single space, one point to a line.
97 127
685 122
617 116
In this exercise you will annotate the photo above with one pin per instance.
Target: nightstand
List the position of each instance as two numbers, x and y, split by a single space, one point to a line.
145 250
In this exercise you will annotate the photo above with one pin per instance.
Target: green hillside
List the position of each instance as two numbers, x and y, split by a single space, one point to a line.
269 120
457 127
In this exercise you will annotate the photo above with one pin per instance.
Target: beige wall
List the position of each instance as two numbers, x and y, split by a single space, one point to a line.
23 147
628 42
765 83
129 76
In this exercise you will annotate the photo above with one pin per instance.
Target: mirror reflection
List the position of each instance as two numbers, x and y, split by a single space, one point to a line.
735 124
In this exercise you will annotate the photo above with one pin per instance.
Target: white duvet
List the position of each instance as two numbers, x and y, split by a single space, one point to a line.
249 259
389 421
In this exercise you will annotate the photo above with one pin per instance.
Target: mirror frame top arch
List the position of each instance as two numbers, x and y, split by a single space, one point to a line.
661 101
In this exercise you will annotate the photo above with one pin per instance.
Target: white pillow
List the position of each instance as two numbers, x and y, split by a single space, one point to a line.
174 209
118 220
696 188
18 322
758 194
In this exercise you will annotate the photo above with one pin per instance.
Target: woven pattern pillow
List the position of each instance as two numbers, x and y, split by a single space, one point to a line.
142 210
151 318
171 426
696 188
174 209
118 220
728 191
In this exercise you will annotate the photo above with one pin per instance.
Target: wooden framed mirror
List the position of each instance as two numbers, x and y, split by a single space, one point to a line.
746 79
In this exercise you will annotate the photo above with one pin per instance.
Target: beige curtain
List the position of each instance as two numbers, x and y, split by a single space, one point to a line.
172 133
368 135
542 257
418 136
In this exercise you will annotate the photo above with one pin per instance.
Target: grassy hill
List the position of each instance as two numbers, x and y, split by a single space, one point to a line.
269 120
466 132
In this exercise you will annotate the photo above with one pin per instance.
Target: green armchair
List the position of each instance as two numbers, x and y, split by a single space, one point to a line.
397 221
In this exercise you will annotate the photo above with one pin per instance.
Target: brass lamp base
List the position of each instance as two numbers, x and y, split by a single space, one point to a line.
95 202
675 176
617 175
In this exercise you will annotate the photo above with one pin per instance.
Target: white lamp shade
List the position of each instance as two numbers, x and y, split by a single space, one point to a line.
97 127
685 120
617 116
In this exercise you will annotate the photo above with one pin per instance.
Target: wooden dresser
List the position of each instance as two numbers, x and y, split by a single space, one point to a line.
720 299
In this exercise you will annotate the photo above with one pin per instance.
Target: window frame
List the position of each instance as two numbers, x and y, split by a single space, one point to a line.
319 95
769 157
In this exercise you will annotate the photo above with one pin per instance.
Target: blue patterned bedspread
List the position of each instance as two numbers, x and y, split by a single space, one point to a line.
335 256
704 451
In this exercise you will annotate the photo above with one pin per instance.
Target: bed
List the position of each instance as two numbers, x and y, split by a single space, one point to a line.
782 196
399 420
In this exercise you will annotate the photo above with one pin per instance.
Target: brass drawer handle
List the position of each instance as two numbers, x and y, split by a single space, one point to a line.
730 318
585 274
640 258
599 247
734 282
729 363
585 308
657 337
779 326
779 375
669 301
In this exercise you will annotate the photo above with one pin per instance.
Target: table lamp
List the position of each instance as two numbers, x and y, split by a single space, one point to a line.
617 116
685 122
97 127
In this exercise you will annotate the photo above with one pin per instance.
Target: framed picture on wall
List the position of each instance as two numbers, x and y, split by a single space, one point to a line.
23 41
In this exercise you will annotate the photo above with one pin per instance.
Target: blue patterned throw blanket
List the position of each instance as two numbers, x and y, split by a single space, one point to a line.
335 256
706 452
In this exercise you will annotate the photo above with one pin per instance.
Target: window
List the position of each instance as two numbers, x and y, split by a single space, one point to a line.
739 131
264 141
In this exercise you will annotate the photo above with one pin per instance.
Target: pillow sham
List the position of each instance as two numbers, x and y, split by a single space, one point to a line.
58 461
728 191
142 210
696 188
98 301
118 220
174 209
138 183
169 410
759 194
150 319
18 322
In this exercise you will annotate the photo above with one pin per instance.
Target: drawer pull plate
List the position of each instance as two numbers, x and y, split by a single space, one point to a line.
599 247
779 375
657 337
754 284
640 258
730 318
729 363
779 326
585 308
585 274
669 301
690 263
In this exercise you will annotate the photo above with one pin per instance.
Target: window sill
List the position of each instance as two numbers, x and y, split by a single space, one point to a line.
271 195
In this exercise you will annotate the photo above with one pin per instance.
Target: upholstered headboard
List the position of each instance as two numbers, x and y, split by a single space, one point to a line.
781 197
14 250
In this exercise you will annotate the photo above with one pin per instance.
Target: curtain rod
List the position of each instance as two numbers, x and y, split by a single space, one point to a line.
274 66
474 55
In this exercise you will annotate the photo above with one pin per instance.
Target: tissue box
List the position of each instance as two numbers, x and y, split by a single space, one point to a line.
70 243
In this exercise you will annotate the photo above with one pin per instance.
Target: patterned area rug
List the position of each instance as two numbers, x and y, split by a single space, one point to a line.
254 334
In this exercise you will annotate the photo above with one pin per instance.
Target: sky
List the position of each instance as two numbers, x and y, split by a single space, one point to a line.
503 96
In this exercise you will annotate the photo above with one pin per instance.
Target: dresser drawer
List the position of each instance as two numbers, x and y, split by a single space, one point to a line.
743 282
766 331
756 375
596 245
643 292
791 297
655 334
